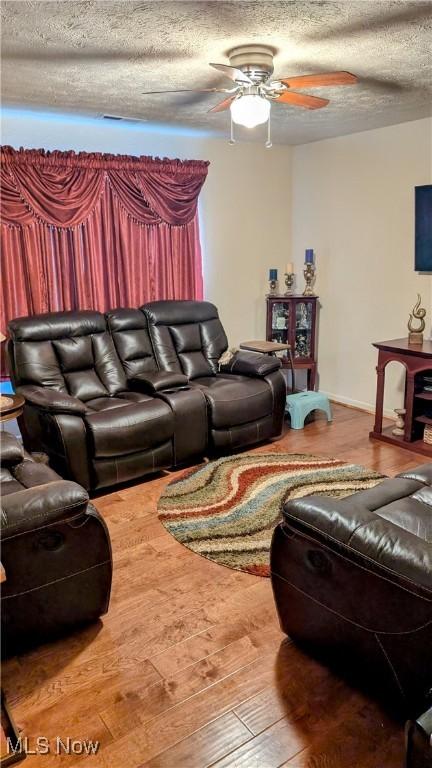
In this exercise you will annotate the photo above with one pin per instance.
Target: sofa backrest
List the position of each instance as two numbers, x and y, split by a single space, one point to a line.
129 330
187 336
68 351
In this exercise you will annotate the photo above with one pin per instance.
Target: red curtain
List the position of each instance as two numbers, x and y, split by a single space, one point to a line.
92 231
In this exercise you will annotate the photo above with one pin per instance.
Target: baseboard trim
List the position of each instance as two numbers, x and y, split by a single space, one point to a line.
358 405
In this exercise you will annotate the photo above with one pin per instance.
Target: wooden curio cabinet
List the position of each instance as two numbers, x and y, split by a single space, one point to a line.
293 320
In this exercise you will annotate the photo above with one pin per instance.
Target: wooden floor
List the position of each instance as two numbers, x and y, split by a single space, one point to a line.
189 668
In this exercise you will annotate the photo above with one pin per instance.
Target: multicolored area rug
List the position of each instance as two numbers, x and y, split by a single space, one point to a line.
226 510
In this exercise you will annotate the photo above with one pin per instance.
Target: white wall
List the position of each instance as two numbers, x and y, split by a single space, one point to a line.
349 198
244 205
353 202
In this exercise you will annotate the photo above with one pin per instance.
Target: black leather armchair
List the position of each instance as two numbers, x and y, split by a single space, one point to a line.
79 408
245 398
55 550
352 581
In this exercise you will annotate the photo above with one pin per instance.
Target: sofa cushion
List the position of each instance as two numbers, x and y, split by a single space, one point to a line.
385 528
134 397
187 336
132 341
18 470
188 344
235 400
129 428
12 450
9 484
106 403
71 352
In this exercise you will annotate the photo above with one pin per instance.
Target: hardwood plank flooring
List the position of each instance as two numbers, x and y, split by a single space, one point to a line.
189 668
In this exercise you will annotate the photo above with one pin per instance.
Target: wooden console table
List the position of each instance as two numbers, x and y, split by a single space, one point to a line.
417 360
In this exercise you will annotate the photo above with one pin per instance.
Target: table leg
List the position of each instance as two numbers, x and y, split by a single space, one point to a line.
291 361
409 406
312 377
380 369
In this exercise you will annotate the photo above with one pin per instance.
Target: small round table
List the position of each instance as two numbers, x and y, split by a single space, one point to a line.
11 406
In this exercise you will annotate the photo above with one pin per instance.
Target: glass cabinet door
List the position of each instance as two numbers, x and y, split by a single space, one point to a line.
303 329
280 322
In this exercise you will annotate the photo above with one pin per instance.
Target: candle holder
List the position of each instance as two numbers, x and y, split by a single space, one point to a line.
273 287
289 282
309 276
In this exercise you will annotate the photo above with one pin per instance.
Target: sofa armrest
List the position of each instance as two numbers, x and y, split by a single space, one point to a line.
40 506
422 473
51 400
251 364
348 525
158 381
11 450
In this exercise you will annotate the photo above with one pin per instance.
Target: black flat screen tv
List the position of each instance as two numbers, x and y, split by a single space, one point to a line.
423 228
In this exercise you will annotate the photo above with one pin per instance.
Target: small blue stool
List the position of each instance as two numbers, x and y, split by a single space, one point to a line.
301 404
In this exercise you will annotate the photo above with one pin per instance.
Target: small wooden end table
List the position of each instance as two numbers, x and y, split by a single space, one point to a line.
270 348
12 409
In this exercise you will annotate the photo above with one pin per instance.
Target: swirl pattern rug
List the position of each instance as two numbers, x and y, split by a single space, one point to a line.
226 510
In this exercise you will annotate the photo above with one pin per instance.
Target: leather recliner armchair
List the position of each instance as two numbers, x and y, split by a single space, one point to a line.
55 549
245 398
79 408
113 398
352 581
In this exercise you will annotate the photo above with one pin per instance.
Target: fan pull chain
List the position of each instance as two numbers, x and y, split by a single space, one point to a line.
268 143
232 139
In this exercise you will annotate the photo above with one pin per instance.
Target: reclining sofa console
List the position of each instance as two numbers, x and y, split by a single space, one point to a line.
113 397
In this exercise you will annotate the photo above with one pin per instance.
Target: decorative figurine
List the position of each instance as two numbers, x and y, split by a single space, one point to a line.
399 429
273 280
415 335
289 282
289 278
302 318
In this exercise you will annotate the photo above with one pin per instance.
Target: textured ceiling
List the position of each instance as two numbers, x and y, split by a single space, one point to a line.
96 56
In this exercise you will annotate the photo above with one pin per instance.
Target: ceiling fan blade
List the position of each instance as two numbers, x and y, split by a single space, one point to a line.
190 90
233 73
320 81
302 100
223 104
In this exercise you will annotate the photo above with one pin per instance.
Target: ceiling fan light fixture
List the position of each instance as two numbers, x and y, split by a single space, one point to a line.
250 110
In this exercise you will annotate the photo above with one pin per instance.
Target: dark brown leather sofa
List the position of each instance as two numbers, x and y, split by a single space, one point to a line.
352 581
55 549
113 398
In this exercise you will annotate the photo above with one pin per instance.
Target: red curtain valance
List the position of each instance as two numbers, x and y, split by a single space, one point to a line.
62 189
94 231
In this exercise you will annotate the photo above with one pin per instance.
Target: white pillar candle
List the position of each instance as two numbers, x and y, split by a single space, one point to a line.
289 269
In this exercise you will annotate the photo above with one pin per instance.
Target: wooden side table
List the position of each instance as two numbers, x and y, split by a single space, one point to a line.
270 348
416 359
11 406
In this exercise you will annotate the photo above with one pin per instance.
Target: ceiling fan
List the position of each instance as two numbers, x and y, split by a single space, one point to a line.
254 90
